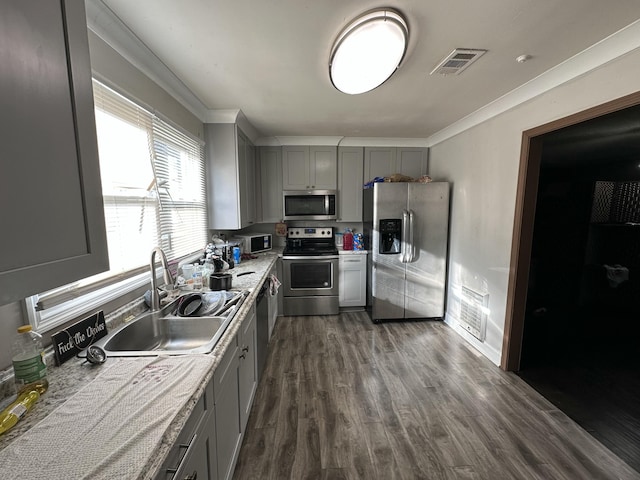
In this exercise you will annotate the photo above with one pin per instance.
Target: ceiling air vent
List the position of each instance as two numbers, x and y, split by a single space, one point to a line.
457 61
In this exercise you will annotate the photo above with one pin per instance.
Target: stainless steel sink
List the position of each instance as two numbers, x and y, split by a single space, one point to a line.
163 333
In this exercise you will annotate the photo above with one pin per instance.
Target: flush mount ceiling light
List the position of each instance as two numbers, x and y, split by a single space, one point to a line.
368 51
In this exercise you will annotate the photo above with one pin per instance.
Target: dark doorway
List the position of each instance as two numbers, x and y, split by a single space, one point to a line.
580 342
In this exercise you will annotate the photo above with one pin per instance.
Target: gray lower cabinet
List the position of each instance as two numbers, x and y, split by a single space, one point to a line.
248 370
353 280
52 212
227 411
209 443
350 171
193 455
270 159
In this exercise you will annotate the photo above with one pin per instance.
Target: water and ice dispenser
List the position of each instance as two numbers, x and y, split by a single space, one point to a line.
390 235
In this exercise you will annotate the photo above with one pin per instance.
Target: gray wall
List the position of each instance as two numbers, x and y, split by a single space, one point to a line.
482 163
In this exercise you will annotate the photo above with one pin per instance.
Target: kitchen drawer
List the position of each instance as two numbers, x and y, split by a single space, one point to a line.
203 408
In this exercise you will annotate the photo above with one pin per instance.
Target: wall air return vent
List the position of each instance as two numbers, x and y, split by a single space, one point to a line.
473 312
457 61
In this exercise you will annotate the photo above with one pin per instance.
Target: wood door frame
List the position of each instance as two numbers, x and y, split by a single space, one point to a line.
524 216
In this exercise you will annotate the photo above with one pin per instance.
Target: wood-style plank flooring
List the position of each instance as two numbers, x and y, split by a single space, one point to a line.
342 398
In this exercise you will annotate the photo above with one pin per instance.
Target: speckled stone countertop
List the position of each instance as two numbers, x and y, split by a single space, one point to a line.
352 252
68 379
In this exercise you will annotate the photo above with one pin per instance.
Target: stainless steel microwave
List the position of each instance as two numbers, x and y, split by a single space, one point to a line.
310 204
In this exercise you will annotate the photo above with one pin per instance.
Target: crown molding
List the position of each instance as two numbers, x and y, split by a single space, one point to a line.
102 21
278 141
616 45
105 24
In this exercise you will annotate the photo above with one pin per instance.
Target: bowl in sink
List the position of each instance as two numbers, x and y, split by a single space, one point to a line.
164 333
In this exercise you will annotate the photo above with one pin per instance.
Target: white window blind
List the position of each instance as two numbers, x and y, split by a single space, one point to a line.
153 185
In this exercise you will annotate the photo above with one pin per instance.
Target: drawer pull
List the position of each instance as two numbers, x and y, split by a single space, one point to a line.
187 448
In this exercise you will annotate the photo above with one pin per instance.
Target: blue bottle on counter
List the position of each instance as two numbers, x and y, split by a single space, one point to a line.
236 255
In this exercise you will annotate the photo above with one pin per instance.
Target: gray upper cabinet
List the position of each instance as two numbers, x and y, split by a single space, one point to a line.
385 161
309 167
378 162
231 179
411 161
350 168
52 212
270 184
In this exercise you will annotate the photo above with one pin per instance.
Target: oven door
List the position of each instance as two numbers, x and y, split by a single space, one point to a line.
305 276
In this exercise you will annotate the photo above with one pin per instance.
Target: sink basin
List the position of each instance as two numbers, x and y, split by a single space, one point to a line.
163 333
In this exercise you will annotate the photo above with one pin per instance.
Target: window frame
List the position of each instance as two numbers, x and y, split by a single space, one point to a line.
49 310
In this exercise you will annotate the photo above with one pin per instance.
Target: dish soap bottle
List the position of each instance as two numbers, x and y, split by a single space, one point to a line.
28 361
14 412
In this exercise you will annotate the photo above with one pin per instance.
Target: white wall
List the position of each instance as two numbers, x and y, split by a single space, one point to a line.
482 164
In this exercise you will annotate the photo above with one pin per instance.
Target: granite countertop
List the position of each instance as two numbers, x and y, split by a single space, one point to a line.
68 379
352 252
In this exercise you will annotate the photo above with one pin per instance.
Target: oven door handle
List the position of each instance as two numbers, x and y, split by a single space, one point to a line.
311 257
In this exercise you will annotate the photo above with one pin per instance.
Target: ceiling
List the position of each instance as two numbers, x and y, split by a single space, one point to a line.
270 58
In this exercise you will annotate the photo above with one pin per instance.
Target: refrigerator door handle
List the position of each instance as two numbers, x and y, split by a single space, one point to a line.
404 258
411 242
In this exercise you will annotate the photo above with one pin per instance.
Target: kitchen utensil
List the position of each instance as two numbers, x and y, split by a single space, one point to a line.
220 281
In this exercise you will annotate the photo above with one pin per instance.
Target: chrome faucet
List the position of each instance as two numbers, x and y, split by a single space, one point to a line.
168 278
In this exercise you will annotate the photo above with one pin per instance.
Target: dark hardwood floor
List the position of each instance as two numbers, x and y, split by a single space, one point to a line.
341 398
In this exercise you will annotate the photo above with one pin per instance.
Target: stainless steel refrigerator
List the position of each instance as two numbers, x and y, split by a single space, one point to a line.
406 227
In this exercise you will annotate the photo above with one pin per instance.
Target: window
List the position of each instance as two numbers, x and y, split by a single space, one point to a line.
153 186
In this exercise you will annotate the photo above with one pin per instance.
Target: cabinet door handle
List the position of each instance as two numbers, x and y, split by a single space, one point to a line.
188 447
193 476
243 356
245 349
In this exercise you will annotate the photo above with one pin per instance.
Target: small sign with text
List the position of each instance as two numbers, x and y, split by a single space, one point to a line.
72 340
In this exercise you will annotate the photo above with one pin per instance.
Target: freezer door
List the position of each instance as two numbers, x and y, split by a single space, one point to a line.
428 206
387 269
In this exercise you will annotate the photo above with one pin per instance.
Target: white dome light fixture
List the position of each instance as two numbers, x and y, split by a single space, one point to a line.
368 51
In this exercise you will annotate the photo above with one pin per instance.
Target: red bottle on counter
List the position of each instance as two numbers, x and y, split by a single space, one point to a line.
347 241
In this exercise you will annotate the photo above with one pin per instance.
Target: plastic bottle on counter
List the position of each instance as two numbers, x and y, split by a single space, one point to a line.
347 239
29 366
18 409
358 241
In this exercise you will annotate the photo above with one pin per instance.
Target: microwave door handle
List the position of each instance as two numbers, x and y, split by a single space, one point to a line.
404 244
326 204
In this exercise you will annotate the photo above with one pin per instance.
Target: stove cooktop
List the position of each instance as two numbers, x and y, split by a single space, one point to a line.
310 241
